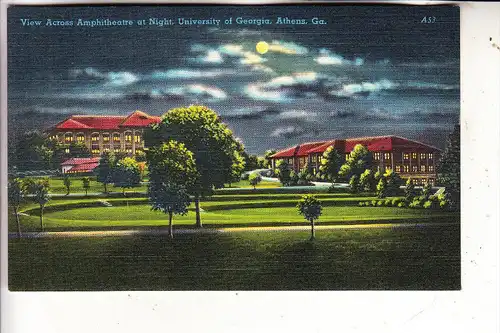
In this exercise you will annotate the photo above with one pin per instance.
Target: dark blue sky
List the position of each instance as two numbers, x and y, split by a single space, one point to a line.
369 71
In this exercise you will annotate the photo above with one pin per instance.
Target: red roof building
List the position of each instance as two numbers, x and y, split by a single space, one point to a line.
79 165
407 157
105 133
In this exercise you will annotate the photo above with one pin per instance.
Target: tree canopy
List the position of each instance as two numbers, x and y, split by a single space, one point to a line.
357 162
330 164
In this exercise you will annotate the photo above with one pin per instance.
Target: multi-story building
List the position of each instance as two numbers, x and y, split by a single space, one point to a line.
105 133
406 157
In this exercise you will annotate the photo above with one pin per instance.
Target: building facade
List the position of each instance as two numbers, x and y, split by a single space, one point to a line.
406 157
105 133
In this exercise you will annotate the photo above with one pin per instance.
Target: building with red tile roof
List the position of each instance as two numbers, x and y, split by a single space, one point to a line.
79 165
409 158
105 133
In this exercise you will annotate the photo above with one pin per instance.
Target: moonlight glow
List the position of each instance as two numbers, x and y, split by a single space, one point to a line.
262 47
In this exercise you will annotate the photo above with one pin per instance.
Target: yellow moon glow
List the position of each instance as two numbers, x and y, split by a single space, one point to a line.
262 47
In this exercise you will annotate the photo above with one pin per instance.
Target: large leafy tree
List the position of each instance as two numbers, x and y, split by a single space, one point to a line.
357 162
78 149
208 138
27 152
310 207
126 174
172 174
105 169
16 195
330 164
448 167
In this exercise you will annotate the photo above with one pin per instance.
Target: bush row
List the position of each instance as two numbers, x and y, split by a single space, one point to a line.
426 202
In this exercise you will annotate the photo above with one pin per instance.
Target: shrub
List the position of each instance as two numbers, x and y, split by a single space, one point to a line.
427 204
415 204
380 203
444 204
361 204
382 188
388 202
395 202
401 205
374 203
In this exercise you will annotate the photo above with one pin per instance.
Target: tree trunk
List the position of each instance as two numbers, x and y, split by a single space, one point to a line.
86 191
18 223
170 229
67 190
123 191
197 206
41 217
312 230
105 188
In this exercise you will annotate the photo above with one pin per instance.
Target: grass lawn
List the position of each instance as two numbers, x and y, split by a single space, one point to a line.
419 258
246 184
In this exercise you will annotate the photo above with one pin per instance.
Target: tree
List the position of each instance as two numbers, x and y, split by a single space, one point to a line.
79 149
105 169
382 188
354 184
294 178
283 172
16 195
367 181
140 156
126 174
172 172
27 151
310 207
251 162
267 157
393 182
207 137
40 191
67 183
254 179
237 168
330 164
448 167
410 192
302 177
357 162
86 184
426 190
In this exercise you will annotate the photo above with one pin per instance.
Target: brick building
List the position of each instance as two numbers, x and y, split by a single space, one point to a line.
105 133
406 157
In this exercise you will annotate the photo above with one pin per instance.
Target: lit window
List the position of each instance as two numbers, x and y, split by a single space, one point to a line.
290 160
347 156
407 168
424 181
66 150
406 156
387 156
80 137
106 149
137 138
431 181
414 155
422 156
430 156
398 168
128 137
319 158
431 168
68 137
95 150
128 150
414 168
105 137
415 181
116 137
313 158
95 137
422 168
376 156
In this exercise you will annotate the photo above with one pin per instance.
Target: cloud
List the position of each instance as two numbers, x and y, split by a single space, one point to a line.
326 57
287 47
208 56
288 132
187 73
110 78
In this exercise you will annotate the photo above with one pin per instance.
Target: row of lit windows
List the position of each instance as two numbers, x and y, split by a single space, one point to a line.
96 150
105 138
423 156
406 168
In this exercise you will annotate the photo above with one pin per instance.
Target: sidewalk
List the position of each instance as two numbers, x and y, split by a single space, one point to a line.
164 231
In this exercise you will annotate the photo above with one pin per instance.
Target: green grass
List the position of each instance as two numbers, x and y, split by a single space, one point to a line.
246 184
56 186
419 258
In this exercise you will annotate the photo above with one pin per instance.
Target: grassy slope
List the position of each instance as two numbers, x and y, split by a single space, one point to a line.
372 259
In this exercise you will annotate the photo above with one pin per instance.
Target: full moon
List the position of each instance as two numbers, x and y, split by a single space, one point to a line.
262 47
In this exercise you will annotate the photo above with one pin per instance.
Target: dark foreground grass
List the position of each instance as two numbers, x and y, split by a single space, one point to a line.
390 259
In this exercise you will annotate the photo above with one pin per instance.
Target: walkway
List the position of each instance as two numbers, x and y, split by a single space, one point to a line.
164 231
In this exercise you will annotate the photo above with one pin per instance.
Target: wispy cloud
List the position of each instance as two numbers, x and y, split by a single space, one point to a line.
287 47
326 57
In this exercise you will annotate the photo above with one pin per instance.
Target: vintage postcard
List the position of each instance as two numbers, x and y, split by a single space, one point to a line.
217 147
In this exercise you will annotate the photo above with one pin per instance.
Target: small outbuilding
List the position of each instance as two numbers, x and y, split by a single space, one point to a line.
79 165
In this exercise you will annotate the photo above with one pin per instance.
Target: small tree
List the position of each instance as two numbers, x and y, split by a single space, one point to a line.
330 164
67 183
16 195
410 192
283 172
357 162
105 169
294 178
254 179
172 171
86 184
40 196
393 182
302 177
427 190
354 184
127 174
367 181
382 188
310 207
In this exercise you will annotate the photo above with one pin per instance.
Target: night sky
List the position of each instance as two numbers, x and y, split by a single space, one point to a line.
368 71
